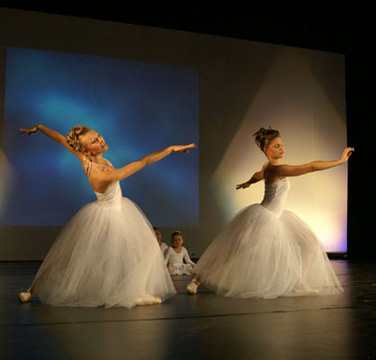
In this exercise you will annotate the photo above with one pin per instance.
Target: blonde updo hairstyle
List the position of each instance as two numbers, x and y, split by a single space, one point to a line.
73 138
263 137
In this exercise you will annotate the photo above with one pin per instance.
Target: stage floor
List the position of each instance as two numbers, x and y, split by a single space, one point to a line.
204 326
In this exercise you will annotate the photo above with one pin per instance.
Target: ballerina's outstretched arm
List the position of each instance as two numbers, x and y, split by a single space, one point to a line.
52 134
104 178
100 180
256 177
296 170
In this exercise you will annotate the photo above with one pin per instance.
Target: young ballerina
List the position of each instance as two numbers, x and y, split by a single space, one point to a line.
177 258
162 245
107 254
266 251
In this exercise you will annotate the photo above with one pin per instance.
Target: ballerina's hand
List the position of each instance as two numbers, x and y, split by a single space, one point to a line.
242 186
29 131
347 153
183 148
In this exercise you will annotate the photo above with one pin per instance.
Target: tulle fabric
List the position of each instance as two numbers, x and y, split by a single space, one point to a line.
267 252
107 255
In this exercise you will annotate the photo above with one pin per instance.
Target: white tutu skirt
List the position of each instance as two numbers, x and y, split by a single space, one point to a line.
259 254
104 257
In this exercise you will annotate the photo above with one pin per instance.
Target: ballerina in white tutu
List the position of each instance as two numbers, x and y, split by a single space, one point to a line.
266 251
107 254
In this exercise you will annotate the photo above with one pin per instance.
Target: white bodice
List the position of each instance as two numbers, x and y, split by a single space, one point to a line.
111 198
275 196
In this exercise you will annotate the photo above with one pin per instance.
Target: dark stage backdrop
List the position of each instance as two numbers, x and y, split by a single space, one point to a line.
143 89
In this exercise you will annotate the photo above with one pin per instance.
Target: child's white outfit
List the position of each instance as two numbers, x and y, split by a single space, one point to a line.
105 256
178 263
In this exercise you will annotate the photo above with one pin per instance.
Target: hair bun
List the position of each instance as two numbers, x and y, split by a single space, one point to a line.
73 137
264 136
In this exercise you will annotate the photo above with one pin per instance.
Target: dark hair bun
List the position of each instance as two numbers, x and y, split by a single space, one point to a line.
264 136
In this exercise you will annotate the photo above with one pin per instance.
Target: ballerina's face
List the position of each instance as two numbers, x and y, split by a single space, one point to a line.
275 149
93 142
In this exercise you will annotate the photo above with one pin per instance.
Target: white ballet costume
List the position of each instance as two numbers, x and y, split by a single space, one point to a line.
105 256
267 252
179 263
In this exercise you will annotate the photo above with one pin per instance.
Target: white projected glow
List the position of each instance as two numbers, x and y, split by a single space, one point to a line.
292 101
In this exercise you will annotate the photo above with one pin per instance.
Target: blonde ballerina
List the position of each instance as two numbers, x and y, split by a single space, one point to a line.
107 254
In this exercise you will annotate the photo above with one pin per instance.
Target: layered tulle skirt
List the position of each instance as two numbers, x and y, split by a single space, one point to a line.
259 254
104 257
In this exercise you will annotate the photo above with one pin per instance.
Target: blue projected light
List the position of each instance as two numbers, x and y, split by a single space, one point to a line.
138 107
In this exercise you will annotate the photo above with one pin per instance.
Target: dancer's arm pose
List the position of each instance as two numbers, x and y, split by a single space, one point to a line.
256 177
88 145
54 135
271 144
277 172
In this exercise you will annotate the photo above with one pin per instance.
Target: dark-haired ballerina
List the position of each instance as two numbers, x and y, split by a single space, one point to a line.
266 251
107 254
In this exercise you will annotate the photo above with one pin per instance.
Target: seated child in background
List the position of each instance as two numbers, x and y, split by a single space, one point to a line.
177 258
162 245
